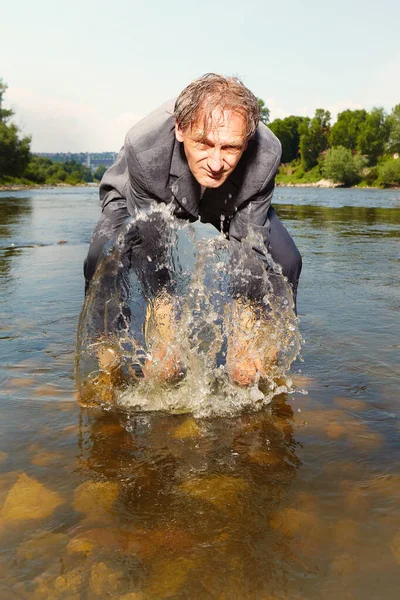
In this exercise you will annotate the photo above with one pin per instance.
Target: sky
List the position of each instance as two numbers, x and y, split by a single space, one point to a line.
81 73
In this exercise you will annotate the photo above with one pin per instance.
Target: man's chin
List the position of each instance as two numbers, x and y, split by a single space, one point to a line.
211 182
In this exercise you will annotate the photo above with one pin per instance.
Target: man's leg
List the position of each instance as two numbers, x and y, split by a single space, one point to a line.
111 219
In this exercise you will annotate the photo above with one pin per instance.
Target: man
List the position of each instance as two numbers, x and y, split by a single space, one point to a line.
208 157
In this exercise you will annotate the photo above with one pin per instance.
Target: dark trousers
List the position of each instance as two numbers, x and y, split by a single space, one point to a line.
284 251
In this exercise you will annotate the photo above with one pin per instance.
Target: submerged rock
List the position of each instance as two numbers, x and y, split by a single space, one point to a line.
104 581
96 498
265 458
44 459
187 429
169 576
29 499
395 547
293 521
222 491
41 545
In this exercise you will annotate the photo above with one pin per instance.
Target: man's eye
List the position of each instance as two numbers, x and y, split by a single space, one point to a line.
202 146
231 149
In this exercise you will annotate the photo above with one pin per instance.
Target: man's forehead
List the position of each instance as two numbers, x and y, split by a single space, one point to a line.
218 122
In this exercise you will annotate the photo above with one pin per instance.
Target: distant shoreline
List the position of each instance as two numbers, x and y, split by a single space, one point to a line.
323 183
43 186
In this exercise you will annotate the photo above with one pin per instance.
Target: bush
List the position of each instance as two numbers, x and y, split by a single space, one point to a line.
44 171
340 166
370 175
389 172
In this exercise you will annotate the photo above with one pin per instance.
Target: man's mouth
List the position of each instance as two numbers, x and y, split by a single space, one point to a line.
214 175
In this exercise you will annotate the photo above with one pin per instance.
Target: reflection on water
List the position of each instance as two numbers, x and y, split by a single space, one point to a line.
12 213
299 500
347 220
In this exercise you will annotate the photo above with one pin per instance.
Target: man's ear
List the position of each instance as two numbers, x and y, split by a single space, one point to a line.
178 132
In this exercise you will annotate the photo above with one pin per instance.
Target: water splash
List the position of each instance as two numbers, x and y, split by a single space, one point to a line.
209 278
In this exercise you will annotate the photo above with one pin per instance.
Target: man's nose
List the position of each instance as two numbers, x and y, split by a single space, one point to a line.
215 162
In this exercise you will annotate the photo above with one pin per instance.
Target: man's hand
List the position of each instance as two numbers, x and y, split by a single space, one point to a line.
129 240
163 362
249 356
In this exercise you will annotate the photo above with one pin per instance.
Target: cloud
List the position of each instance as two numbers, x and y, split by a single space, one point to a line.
276 111
59 125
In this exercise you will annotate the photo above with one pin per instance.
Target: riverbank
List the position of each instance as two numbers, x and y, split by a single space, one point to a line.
322 183
19 187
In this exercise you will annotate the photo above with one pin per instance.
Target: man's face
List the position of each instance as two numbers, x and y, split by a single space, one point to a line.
212 155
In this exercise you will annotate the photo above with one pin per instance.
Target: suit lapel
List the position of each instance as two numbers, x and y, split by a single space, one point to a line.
183 185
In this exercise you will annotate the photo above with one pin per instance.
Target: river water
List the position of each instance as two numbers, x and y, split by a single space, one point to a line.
300 500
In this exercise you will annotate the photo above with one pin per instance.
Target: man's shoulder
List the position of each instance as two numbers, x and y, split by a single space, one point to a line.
156 129
261 161
265 142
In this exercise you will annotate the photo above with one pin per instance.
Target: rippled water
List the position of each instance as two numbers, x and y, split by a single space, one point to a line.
298 500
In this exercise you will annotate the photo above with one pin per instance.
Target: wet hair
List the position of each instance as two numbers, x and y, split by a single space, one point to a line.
211 91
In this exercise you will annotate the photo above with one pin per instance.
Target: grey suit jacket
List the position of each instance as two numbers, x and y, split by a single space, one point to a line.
152 166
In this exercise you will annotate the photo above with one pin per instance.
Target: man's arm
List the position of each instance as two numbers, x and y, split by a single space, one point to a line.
251 219
123 189
113 199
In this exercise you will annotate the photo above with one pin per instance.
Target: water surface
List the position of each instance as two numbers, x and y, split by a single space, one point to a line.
299 500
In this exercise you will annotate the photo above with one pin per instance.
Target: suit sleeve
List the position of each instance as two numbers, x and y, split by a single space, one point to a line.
251 221
251 218
123 189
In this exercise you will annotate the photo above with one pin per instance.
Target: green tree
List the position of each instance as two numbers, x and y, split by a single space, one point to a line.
99 172
373 135
340 166
346 129
38 169
5 114
264 111
393 122
43 170
314 135
14 151
287 131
